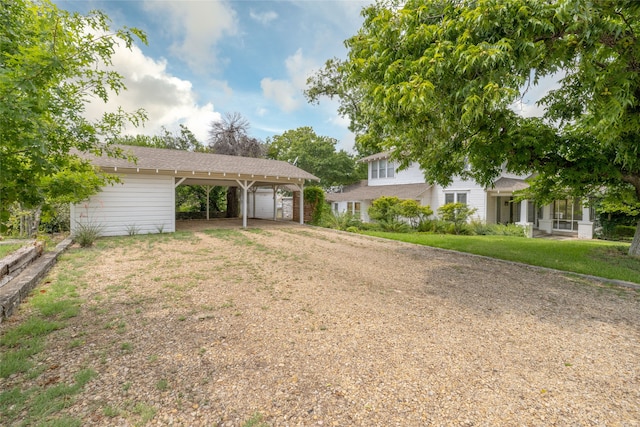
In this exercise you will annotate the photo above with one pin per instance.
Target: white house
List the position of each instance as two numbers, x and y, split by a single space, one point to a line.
494 205
144 199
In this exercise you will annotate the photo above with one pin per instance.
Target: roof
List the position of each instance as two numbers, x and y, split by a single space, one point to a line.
362 191
508 185
374 157
201 168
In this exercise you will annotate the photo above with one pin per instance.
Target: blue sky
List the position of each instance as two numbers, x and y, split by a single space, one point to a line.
207 58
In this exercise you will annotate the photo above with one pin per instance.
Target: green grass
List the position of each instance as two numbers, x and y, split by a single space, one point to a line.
49 306
8 248
593 257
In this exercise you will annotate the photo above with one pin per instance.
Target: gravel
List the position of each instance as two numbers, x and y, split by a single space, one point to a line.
300 326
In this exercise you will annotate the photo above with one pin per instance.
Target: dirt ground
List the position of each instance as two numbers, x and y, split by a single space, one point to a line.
300 326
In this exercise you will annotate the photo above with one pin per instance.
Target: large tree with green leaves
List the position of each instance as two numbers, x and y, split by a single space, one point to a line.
52 64
315 154
439 80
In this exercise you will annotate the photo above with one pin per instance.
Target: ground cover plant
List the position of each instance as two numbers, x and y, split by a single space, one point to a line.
6 249
594 257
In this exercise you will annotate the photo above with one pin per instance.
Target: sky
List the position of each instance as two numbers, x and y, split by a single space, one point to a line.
207 58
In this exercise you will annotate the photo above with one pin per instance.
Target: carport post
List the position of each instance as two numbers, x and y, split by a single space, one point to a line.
245 186
301 204
244 205
275 203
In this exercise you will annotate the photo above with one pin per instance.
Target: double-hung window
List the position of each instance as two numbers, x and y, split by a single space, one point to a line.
382 169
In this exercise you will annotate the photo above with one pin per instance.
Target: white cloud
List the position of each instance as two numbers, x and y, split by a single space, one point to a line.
287 94
197 27
168 100
263 17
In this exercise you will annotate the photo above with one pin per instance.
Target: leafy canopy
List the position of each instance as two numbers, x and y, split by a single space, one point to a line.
316 155
438 82
52 63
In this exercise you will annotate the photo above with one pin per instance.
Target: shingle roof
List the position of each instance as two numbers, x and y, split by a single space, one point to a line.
362 191
508 185
195 163
374 157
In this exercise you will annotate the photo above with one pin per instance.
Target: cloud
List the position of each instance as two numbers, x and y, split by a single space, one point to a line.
196 27
287 93
263 17
168 100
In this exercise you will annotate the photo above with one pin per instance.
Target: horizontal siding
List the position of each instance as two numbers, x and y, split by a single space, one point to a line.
411 175
144 203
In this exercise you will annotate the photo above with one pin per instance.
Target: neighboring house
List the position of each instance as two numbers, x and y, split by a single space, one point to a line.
144 199
494 205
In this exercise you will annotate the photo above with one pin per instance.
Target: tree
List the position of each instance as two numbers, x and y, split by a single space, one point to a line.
439 80
456 213
229 136
189 198
316 155
52 63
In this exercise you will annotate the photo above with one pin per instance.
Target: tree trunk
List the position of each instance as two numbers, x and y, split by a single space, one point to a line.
233 203
634 249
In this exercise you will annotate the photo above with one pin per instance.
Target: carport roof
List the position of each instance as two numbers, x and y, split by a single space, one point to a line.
202 168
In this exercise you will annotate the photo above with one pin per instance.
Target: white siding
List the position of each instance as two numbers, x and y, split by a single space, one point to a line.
263 198
411 175
476 196
144 203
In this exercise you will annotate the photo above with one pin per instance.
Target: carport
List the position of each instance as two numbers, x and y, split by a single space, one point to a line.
149 176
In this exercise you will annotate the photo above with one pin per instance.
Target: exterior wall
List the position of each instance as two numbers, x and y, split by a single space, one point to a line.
260 203
411 175
140 203
476 196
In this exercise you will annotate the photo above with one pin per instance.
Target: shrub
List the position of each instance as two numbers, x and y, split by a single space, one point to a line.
340 221
86 234
484 229
457 214
394 226
414 212
314 199
385 208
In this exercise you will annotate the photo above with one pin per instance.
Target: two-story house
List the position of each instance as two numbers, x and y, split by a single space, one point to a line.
494 205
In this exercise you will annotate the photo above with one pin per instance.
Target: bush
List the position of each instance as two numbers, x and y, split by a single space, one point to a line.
340 221
314 199
389 211
457 214
86 234
624 231
483 229
394 226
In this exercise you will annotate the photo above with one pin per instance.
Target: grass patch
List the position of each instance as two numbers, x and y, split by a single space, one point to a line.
49 305
593 257
8 249
256 420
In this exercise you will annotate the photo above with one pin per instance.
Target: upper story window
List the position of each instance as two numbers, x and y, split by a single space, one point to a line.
382 169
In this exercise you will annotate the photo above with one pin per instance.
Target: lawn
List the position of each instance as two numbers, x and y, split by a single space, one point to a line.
8 248
594 257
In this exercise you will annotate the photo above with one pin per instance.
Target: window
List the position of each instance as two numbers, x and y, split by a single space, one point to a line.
455 198
354 208
382 169
335 207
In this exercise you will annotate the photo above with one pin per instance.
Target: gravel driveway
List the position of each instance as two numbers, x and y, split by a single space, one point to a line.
302 326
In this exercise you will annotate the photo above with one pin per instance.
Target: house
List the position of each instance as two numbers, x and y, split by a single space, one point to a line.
494 205
144 198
